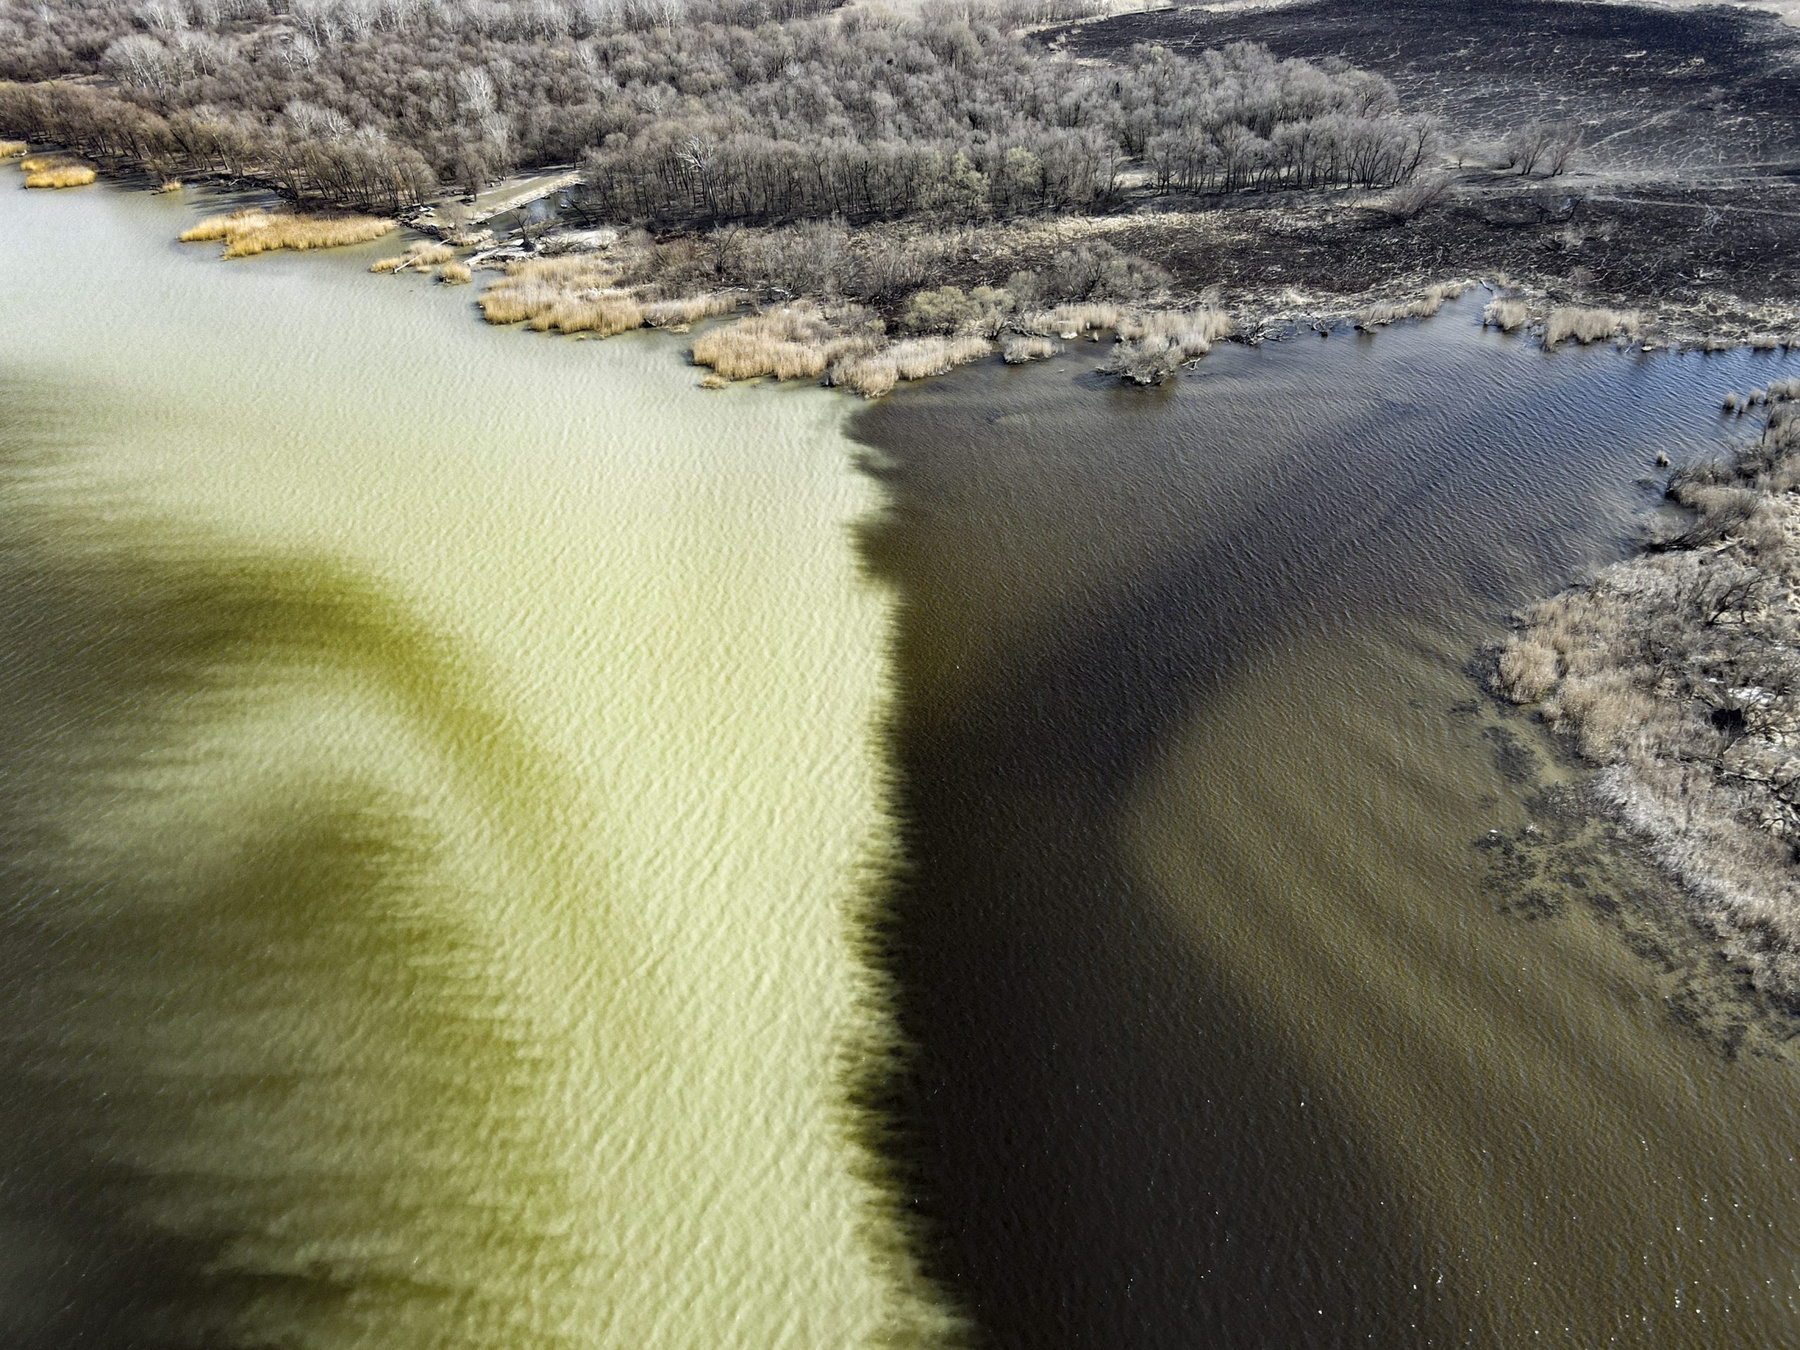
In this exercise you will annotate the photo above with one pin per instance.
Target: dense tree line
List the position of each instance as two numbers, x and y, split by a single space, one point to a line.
684 111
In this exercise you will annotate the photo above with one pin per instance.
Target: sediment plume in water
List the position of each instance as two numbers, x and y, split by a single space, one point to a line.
448 821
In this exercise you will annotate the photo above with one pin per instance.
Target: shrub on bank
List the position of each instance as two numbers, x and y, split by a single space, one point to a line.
1508 313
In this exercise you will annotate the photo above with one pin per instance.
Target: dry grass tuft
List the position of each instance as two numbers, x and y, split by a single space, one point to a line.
1152 347
63 175
1018 348
168 185
688 309
794 342
419 257
1507 313
1071 321
570 294
10 149
1590 325
252 231
876 373
454 274
1422 306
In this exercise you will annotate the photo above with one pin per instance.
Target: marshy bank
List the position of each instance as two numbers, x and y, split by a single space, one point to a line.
1677 674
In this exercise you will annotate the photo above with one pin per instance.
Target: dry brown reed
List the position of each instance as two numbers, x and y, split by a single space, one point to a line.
9 149
1507 313
34 163
1422 306
876 373
61 176
1071 321
252 231
688 309
795 342
419 257
1153 346
570 294
1018 348
1590 325
454 274
168 185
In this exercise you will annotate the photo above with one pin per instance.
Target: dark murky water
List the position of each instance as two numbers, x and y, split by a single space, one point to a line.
1229 1033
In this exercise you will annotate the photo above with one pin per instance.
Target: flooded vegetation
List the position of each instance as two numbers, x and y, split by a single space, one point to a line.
1676 673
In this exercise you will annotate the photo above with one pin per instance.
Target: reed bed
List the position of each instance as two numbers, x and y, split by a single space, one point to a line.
1153 347
688 309
168 185
794 342
252 231
419 257
1422 306
1072 321
540 288
602 313
1508 313
1590 325
12 149
36 163
61 176
1018 348
877 372
1677 673
454 274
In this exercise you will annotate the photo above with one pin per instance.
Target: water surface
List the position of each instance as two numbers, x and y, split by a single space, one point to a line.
437 789
1248 1011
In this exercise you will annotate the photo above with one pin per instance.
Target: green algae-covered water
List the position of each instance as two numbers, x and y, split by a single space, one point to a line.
478 815
437 789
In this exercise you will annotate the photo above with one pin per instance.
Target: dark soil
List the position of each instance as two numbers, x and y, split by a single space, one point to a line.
1685 198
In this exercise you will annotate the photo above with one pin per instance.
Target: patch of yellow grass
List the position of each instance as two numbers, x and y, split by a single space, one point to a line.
10 148
420 257
795 342
1590 325
253 231
914 359
168 185
61 176
35 163
688 309
454 274
545 291
1508 313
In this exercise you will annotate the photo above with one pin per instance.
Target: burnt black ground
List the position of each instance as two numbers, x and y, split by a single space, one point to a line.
1685 198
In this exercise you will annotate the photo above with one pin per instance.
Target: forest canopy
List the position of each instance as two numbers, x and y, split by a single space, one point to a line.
685 113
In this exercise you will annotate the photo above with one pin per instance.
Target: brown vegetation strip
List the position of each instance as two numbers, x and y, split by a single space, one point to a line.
252 231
